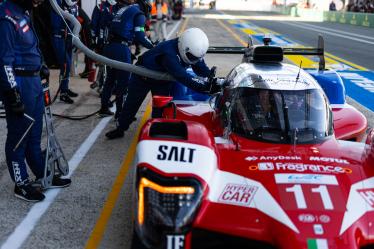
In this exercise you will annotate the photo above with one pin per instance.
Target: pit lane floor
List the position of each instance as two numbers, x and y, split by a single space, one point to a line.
96 210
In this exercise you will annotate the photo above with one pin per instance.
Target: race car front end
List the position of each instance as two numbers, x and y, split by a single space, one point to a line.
166 206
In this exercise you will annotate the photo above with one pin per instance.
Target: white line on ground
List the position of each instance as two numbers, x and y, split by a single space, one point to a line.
329 33
173 30
336 31
23 230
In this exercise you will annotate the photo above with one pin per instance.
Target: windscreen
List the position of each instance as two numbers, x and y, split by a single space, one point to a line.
280 116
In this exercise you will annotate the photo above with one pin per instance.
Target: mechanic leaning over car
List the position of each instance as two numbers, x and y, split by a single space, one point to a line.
63 46
20 87
127 26
172 56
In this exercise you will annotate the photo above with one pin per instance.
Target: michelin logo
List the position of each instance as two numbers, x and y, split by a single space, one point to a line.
10 75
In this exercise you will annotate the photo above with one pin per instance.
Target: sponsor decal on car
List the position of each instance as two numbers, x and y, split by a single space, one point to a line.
272 158
300 167
306 179
175 241
237 194
328 160
175 153
317 244
311 218
318 229
368 195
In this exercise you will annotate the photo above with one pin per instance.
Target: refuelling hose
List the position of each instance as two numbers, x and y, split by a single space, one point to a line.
100 59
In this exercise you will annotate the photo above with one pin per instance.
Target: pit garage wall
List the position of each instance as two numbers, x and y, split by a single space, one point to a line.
352 18
88 6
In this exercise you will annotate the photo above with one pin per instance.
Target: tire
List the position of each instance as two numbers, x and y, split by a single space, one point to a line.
136 243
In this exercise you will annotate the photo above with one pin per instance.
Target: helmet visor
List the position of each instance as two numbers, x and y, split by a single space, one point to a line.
192 58
281 116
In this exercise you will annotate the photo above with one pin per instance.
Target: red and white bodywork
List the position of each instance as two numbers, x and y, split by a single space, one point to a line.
248 193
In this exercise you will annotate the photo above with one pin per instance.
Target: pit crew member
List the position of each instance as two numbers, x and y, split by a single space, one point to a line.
172 56
127 26
63 47
21 90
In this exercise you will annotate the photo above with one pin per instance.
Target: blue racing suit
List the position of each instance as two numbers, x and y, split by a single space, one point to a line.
101 19
127 26
62 43
164 58
20 62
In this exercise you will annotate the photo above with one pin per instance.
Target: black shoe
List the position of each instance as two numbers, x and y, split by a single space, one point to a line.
84 75
72 94
117 133
93 85
104 112
28 193
58 182
64 97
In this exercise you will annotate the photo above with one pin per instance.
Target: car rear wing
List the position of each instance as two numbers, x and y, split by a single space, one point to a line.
319 51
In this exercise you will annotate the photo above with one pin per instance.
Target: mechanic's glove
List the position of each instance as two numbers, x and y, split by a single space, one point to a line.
216 85
44 72
133 57
14 101
155 43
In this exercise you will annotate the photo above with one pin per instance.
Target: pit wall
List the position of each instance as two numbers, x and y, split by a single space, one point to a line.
352 18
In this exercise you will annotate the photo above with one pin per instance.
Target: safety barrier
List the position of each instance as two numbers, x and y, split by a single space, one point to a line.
353 18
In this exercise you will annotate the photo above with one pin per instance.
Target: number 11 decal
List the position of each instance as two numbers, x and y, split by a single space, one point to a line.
300 198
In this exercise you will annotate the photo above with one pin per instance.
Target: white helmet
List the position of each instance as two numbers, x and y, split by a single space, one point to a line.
112 2
193 45
70 2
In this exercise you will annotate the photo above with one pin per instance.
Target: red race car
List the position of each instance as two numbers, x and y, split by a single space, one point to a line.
265 164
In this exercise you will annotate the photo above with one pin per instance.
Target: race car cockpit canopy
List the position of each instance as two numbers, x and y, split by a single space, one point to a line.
274 108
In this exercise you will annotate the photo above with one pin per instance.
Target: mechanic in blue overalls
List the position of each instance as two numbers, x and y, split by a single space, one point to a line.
21 90
101 19
63 47
127 26
174 57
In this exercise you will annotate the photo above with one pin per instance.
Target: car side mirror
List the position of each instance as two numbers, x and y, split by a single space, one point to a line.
164 102
161 101
368 155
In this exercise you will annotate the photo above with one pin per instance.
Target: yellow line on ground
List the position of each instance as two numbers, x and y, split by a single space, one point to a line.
184 25
307 63
232 33
99 229
346 62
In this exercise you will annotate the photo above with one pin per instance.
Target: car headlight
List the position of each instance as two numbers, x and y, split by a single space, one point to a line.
165 205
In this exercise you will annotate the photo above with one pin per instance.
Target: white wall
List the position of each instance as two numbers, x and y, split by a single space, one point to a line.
256 5
88 6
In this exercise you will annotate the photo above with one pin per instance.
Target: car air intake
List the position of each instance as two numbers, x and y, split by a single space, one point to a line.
172 130
267 54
